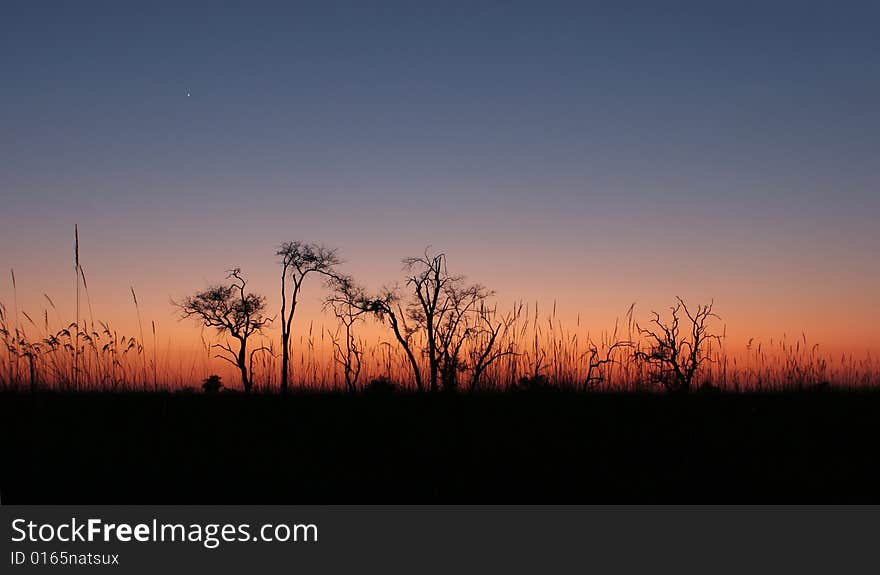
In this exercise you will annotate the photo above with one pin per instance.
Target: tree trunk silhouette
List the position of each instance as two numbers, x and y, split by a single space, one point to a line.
417 372
285 361
242 365
298 260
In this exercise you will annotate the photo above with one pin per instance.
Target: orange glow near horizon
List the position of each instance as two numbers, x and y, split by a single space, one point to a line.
578 303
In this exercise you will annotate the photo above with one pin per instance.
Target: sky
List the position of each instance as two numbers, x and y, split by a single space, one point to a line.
588 154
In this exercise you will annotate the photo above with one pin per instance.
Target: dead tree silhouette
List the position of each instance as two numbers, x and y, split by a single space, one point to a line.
385 306
230 310
675 355
461 308
298 260
596 364
489 329
452 320
345 301
445 309
428 278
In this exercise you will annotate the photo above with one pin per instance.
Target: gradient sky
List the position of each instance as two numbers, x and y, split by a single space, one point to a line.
595 154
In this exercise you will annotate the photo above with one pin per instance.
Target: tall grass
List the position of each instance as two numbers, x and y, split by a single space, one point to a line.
43 354
538 348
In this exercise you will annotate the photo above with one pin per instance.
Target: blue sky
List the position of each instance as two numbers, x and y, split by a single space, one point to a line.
543 144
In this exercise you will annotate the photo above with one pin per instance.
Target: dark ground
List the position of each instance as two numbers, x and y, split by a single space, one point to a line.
539 447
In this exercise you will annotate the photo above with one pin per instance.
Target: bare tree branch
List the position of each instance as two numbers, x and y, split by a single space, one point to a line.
675 356
229 309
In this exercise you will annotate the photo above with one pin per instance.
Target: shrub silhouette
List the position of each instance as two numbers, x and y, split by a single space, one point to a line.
212 384
535 382
380 386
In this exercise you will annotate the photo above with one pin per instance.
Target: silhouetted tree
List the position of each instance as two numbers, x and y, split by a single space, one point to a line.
597 362
229 309
298 260
429 281
451 319
485 335
441 307
385 307
676 352
461 308
347 302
